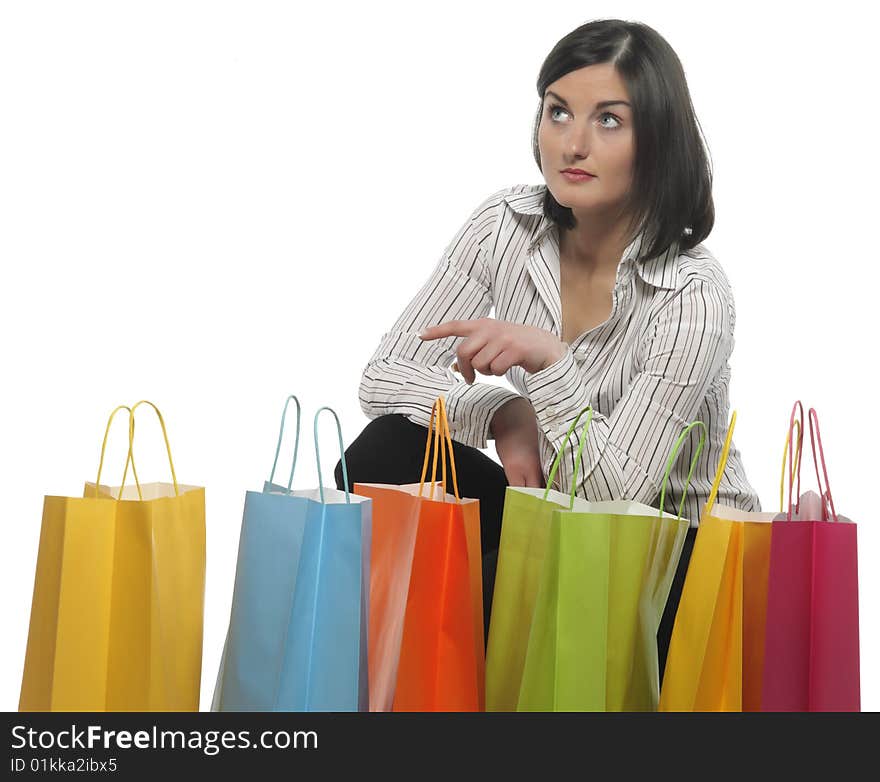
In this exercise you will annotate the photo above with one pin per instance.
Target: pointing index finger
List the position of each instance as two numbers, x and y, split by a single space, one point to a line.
458 328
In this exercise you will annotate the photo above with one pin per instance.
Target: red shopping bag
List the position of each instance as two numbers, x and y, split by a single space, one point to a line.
811 657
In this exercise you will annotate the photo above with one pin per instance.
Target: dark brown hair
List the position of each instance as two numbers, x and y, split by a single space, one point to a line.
671 195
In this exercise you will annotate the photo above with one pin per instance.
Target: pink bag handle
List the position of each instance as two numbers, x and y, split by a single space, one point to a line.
791 455
827 493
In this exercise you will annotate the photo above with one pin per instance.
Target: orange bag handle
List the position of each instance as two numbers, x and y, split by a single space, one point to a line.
439 409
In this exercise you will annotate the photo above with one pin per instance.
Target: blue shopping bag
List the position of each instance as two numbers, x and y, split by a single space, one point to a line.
297 638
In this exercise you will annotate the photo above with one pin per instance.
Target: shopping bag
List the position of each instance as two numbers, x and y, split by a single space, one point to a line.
395 523
441 666
811 658
297 637
525 527
118 602
606 577
716 652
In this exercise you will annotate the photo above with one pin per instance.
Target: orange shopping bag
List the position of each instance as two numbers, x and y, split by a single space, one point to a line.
442 664
395 522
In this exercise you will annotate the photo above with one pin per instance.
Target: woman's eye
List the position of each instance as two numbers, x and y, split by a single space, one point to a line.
556 107
612 127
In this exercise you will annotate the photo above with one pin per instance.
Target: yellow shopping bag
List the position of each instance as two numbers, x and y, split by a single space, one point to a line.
118 602
716 652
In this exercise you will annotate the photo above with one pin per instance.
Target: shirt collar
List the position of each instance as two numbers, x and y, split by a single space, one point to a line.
661 272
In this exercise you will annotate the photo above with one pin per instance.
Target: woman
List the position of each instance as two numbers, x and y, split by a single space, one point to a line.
603 295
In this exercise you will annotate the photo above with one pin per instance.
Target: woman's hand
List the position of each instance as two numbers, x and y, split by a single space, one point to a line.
515 431
493 346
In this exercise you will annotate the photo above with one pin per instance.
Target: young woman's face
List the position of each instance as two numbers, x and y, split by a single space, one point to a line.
575 132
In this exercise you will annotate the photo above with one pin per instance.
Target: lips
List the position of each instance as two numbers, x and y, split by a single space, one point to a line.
576 171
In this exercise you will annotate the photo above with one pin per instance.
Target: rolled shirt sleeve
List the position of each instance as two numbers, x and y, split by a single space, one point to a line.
625 453
406 374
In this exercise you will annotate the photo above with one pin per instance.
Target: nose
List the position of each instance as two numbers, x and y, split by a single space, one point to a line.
578 141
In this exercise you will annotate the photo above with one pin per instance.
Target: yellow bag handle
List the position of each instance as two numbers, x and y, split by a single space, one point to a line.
131 446
130 456
722 463
797 456
795 467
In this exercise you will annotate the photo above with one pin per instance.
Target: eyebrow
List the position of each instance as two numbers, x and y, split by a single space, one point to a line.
600 105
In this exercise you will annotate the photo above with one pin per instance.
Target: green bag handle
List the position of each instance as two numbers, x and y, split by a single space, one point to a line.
682 437
669 463
341 451
281 435
577 464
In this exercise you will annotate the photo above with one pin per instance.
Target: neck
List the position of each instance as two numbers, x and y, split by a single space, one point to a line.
593 248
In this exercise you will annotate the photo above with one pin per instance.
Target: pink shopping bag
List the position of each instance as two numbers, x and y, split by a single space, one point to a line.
811 659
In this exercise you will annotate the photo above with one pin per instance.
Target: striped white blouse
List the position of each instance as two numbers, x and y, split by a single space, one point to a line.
659 362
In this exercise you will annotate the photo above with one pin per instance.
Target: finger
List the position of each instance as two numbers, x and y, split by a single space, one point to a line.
483 360
457 328
465 352
515 478
503 362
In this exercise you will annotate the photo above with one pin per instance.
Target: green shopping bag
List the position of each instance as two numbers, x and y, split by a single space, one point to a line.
525 527
586 598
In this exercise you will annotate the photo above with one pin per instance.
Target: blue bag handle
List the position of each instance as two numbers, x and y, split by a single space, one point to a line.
281 435
341 452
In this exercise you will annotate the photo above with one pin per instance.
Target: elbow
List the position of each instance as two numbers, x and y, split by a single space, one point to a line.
366 396
372 399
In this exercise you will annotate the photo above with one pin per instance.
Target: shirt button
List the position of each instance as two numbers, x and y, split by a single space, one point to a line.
551 410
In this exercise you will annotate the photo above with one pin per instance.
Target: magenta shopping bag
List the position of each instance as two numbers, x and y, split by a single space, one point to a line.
811 660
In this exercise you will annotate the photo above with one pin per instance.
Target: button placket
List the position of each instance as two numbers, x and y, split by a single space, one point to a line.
620 294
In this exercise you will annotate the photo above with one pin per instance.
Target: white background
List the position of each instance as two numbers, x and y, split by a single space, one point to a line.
196 203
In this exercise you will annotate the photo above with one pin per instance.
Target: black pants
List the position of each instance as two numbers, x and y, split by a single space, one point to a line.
391 449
